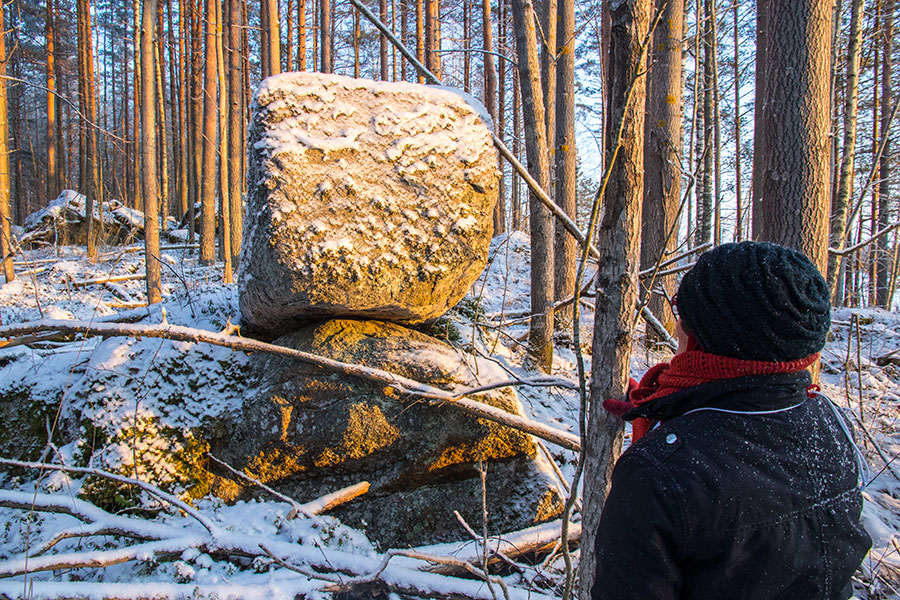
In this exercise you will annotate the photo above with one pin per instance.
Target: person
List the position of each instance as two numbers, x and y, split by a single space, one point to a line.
741 480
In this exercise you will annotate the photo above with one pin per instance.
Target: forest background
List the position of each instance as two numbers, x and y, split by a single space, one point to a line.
696 123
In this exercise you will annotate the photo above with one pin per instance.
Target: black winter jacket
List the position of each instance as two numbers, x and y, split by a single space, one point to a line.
714 504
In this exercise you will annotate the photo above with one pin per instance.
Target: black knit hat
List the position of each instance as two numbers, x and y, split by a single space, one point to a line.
755 301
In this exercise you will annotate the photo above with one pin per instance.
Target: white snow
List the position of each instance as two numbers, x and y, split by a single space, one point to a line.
193 296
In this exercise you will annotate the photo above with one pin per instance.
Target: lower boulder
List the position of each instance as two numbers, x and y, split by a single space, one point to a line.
306 432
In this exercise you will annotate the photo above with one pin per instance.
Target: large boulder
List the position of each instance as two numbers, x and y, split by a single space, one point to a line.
365 199
307 432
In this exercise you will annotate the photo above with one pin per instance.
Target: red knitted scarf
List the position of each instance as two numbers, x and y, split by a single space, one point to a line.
692 368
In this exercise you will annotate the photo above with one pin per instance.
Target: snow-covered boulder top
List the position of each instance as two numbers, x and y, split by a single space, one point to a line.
367 199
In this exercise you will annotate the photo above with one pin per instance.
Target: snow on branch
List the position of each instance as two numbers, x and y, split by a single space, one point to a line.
394 384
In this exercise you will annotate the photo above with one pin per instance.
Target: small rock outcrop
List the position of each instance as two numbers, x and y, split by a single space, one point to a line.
308 432
64 221
365 199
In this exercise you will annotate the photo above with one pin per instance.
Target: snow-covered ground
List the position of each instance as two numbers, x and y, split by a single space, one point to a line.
217 554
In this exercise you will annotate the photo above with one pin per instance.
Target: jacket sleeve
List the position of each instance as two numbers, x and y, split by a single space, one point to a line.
639 536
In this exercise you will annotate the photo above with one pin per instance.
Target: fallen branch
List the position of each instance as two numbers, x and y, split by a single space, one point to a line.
394 384
102 280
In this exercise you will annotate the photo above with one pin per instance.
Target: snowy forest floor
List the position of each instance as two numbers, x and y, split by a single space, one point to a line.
50 286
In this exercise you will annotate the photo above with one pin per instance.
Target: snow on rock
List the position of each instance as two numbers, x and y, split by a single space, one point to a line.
306 432
64 221
365 198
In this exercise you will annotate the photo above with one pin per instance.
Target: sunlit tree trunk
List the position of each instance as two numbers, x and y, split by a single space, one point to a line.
5 229
236 118
420 37
502 205
225 251
490 92
53 188
149 183
208 171
662 154
383 41
540 336
161 120
565 156
86 91
301 35
883 254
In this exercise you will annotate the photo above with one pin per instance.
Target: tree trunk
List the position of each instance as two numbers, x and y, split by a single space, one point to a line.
662 147
433 37
224 166
420 37
490 94
705 206
208 170
91 172
383 41
548 48
502 206
845 179
197 118
467 44
182 132
618 240
759 110
540 336
149 183
325 26
5 229
565 154
53 188
797 115
739 228
301 35
289 42
716 124
236 118
883 254
162 129
272 38
517 218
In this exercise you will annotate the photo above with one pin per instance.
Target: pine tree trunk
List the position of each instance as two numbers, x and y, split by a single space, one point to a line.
224 164
5 229
325 25
53 188
502 205
883 253
662 155
182 132
272 39
540 336
565 155
717 126
420 37
845 179
618 239
236 118
208 170
705 206
301 35
548 16
490 93
91 172
149 183
197 118
383 41
759 116
289 42
466 46
162 128
739 197
797 122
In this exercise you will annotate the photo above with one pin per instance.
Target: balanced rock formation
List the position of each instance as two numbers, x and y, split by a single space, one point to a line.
365 199
307 432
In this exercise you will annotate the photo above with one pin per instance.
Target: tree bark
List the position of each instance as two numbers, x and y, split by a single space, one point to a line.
759 110
845 179
208 169
301 35
325 28
883 255
383 41
224 164
662 157
236 118
490 93
565 155
540 336
272 28
618 240
797 122
91 171
53 188
420 37
706 206
5 229
502 204
149 183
